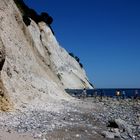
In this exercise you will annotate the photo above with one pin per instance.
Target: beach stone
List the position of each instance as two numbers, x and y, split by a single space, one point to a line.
125 137
77 135
107 134
123 125
37 135
117 133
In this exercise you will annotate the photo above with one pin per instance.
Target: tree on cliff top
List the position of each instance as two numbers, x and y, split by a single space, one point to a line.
31 13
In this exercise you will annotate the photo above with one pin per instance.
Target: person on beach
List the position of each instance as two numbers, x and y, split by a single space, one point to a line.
123 95
118 95
101 95
84 93
136 94
95 94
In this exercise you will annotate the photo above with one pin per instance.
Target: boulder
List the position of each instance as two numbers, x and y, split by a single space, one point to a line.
125 127
109 135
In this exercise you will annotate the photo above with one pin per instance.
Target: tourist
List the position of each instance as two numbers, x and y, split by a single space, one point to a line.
118 95
136 94
84 93
123 94
101 94
95 94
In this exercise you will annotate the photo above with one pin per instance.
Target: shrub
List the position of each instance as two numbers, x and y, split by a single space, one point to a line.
81 65
26 20
77 59
33 15
46 18
72 55
44 15
49 20
22 6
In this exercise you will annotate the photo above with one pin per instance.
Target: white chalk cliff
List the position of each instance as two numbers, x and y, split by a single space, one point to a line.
34 68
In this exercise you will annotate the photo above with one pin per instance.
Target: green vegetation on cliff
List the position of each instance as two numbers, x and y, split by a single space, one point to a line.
31 13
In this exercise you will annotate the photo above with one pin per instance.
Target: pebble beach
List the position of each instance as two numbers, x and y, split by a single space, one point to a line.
89 118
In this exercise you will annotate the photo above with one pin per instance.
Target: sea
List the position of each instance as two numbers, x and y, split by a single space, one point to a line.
110 92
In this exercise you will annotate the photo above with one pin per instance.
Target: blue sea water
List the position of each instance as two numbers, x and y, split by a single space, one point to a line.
131 92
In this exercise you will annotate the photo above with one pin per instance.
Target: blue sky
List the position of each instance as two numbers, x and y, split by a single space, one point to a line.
104 34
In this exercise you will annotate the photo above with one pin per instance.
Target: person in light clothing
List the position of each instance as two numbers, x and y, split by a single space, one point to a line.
118 94
84 93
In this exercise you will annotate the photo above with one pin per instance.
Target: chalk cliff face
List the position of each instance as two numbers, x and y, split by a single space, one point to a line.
34 68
